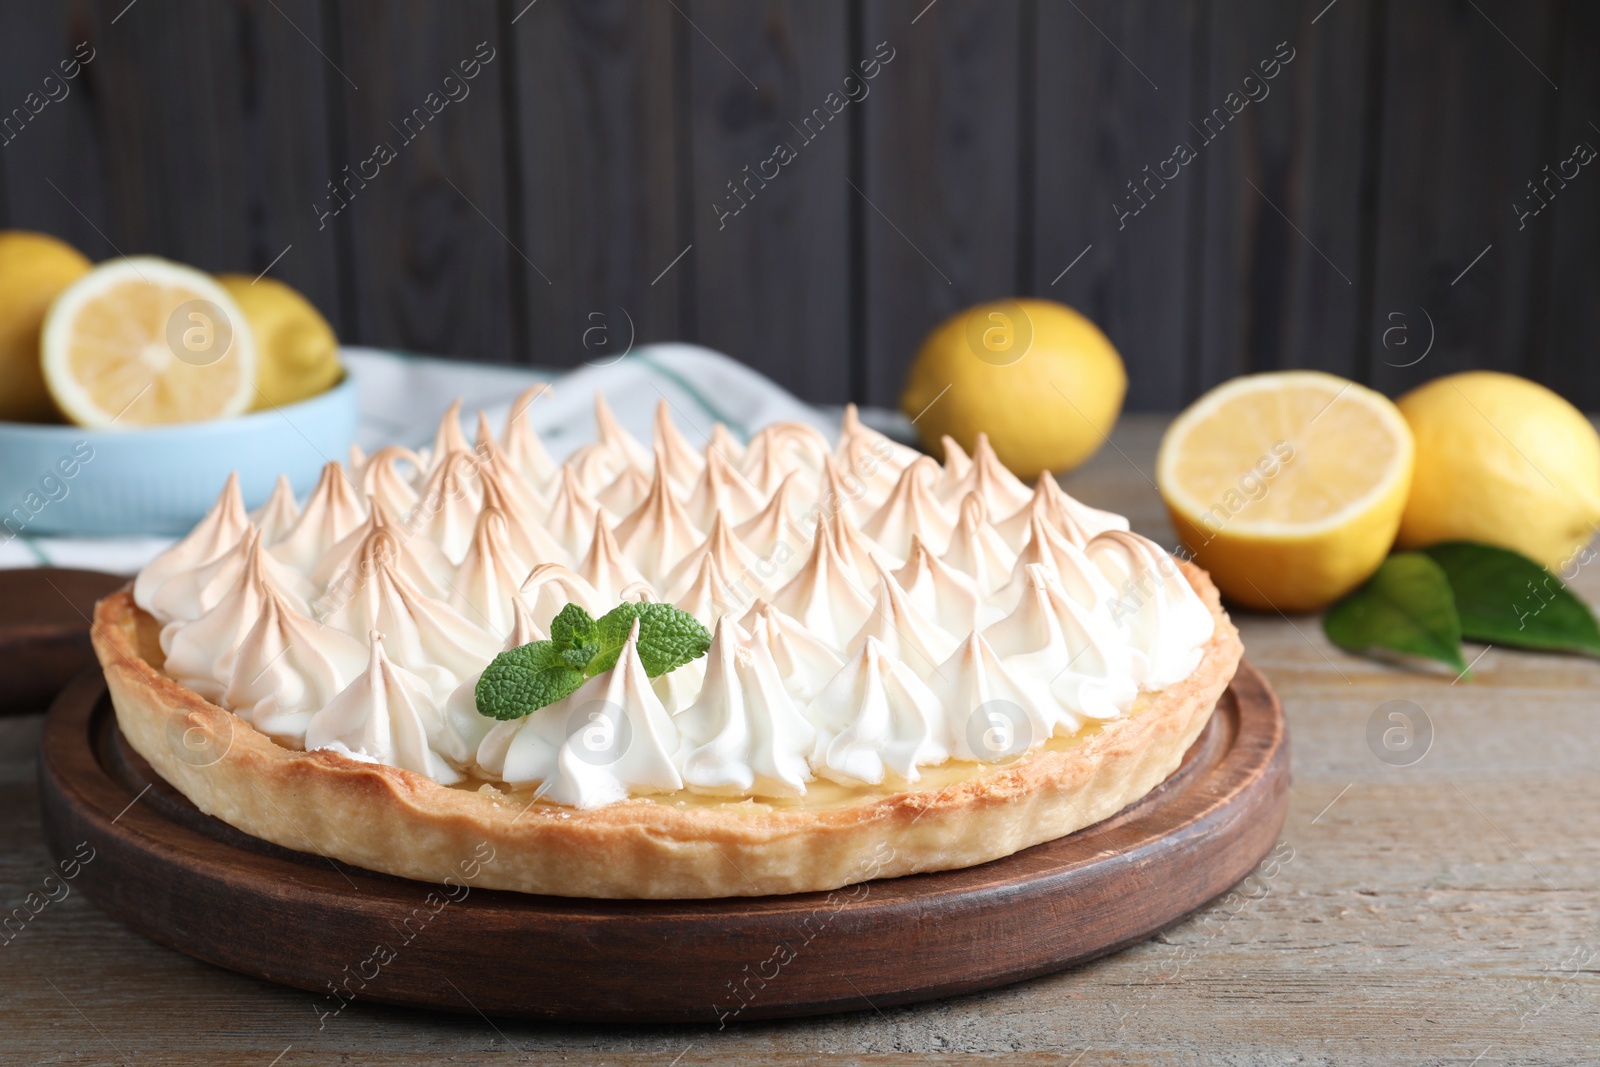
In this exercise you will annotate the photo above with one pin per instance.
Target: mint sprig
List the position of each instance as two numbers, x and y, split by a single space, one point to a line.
521 680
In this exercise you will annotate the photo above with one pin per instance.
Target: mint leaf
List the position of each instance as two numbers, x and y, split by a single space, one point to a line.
521 680
669 638
1405 607
572 627
612 633
1505 598
579 658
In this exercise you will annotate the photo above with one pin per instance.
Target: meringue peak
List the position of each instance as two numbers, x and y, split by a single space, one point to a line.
277 515
222 528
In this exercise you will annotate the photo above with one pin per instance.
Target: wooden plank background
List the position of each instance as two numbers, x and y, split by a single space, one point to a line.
1362 209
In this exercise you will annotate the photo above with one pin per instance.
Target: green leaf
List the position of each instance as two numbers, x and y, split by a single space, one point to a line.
611 631
1405 607
1504 598
669 638
521 680
579 658
572 627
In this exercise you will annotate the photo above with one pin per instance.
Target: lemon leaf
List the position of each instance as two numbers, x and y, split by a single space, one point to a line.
1406 607
1505 598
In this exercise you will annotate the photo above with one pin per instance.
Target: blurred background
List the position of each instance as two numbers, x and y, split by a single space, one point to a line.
1403 185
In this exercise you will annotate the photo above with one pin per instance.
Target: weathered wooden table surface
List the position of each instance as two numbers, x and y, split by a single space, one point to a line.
1445 912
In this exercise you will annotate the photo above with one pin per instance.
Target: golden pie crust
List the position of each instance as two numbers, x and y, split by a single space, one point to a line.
405 824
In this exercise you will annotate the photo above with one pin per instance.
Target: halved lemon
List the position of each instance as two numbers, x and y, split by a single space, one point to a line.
143 342
1287 487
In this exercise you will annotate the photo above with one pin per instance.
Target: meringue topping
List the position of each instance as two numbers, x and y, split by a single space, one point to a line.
911 509
550 587
448 437
504 491
1071 518
1082 655
464 726
573 512
200 653
381 537
731 556
288 668
332 510
382 481
993 634
624 491
777 524
943 593
874 719
976 550
744 735
825 597
222 528
1166 622
384 716
426 636
522 445
1080 578
956 465
781 449
709 595
672 451
485 589
905 633
605 567
991 714
804 660
188 596
277 515
611 436
872 457
448 510
1001 491
720 489
658 534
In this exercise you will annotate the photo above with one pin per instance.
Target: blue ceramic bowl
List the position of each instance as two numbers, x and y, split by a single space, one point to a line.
116 483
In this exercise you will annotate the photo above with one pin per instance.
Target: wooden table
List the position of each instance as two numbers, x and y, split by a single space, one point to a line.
1439 913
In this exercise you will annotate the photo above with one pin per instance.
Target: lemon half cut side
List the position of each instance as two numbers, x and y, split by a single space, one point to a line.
143 341
1288 487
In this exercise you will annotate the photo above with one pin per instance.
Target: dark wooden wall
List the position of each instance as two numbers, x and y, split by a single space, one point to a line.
987 157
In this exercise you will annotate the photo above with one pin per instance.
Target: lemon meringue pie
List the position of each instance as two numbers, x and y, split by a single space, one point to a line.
931 657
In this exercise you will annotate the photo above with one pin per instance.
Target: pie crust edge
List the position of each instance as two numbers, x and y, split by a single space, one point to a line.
401 823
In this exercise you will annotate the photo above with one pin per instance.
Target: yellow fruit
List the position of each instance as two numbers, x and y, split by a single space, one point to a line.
297 355
144 342
1287 487
1503 460
34 268
1040 379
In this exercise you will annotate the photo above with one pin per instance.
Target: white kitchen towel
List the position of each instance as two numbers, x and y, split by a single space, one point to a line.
402 397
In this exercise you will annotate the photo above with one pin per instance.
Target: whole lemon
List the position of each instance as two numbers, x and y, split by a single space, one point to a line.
297 354
34 268
1503 460
1039 378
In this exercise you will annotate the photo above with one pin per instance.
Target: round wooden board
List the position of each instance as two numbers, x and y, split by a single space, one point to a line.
44 631
198 885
